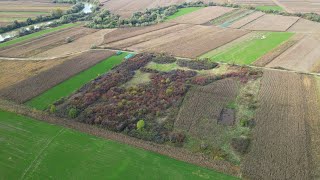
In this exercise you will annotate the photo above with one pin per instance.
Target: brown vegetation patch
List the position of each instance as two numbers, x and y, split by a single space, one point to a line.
202 106
279 139
12 72
33 86
227 117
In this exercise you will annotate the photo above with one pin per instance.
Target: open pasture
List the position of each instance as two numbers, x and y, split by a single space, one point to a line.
270 22
249 48
31 149
182 12
35 85
44 43
303 56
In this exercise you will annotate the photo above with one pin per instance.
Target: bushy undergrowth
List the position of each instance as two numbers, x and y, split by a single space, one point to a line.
197 64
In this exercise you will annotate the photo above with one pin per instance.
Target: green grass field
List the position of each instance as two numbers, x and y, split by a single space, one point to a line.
182 12
36 34
67 87
32 149
268 8
249 50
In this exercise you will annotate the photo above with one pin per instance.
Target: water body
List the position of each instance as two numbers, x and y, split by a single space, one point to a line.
87 9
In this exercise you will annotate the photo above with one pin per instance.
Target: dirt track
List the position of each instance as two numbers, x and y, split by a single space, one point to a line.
280 148
31 87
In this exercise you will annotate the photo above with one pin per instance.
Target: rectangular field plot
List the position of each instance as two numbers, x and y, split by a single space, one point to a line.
249 48
203 15
32 149
182 12
75 82
270 22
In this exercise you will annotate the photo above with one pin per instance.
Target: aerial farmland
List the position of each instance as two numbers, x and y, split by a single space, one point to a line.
165 89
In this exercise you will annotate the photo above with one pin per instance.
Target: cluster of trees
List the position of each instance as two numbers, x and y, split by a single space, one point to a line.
105 102
164 59
204 64
55 14
105 19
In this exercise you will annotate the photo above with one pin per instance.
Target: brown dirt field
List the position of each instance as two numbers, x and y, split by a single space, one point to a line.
202 106
33 86
270 56
33 47
312 86
305 26
254 2
203 15
173 152
147 36
194 44
246 20
303 56
82 44
168 38
124 33
270 22
301 5
279 147
12 72
4 23
31 6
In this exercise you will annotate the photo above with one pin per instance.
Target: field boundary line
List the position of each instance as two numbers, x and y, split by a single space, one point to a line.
36 159
292 24
251 21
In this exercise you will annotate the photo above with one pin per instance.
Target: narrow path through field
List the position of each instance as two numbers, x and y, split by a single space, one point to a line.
37 158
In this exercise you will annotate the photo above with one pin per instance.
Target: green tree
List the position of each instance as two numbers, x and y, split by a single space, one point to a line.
52 109
140 125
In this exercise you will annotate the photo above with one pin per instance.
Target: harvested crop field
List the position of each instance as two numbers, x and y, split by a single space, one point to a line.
34 149
33 86
124 33
13 72
305 26
203 15
246 20
202 106
182 12
280 142
191 42
79 45
230 17
301 5
149 36
270 22
303 56
253 2
249 48
41 44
